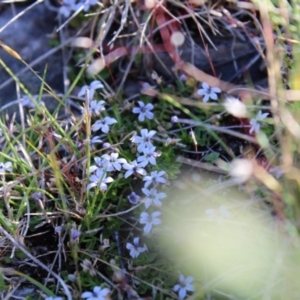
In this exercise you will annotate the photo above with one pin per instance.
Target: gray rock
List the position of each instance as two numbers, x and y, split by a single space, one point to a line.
233 60
30 37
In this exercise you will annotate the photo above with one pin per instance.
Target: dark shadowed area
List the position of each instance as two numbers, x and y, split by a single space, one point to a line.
30 36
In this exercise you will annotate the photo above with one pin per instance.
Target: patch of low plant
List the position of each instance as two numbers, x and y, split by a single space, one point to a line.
96 202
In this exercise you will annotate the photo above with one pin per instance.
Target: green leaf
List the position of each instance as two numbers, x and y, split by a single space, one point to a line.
212 157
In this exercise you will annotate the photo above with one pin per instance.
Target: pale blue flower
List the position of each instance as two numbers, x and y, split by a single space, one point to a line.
144 141
108 146
155 178
94 141
153 197
75 234
148 89
255 122
218 215
67 7
98 293
144 111
96 107
133 168
100 180
101 164
103 124
277 172
58 229
133 198
135 248
174 119
94 85
255 126
148 157
184 286
183 78
28 103
86 4
5 167
54 298
149 220
113 162
208 92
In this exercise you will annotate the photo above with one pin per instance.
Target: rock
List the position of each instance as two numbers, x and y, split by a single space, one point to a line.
30 37
234 60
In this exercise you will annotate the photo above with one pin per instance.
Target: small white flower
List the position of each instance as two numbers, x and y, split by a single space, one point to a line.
144 111
235 107
103 124
133 198
54 298
155 178
153 197
150 220
184 286
100 180
208 92
135 249
96 84
96 107
133 168
144 141
5 167
255 122
113 162
98 293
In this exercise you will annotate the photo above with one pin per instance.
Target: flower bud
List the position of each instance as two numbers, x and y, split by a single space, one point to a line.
235 107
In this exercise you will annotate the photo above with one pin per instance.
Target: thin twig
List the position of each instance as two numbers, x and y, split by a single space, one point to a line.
219 129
